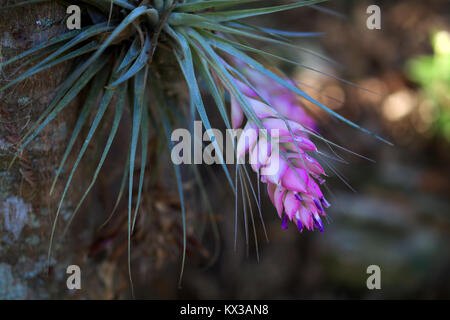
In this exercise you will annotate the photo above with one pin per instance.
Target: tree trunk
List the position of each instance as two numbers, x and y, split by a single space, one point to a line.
26 209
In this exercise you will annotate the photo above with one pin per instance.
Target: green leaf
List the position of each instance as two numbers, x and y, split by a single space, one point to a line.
227 79
256 65
162 107
144 148
187 68
121 3
216 4
117 117
197 21
187 19
265 53
36 57
38 68
87 33
138 106
68 83
96 87
222 16
258 204
135 14
281 34
212 87
132 53
107 97
58 39
251 213
123 184
140 63
71 94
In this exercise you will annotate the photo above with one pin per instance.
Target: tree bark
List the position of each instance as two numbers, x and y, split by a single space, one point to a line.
26 209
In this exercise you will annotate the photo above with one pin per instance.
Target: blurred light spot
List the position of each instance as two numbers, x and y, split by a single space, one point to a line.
398 105
334 95
427 112
420 126
375 85
442 42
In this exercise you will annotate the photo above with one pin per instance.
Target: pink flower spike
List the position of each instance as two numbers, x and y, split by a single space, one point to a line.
302 143
313 165
315 189
318 222
247 139
284 223
309 204
309 164
287 104
261 109
275 169
280 125
260 154
325 203
271 190
278 197
295 180
237 116
291 205
299 222
245 89
306 218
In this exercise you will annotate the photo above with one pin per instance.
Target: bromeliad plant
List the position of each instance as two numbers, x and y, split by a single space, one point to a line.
115 57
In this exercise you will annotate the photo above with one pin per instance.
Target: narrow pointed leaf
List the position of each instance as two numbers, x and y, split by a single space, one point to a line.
87 33
216 4
115 125
38 68
242 56
89 103
73 92
138 105
222 16
168 131
187 68
132 53
45 44
144 148
140 63
107 97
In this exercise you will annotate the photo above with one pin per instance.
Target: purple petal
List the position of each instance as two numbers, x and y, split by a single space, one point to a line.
299 225
284 222
324 202
318 206
318 223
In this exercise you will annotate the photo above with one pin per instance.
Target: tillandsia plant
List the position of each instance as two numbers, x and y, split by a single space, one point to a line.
115 60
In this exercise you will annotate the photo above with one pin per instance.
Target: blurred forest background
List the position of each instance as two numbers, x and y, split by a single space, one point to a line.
397 217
